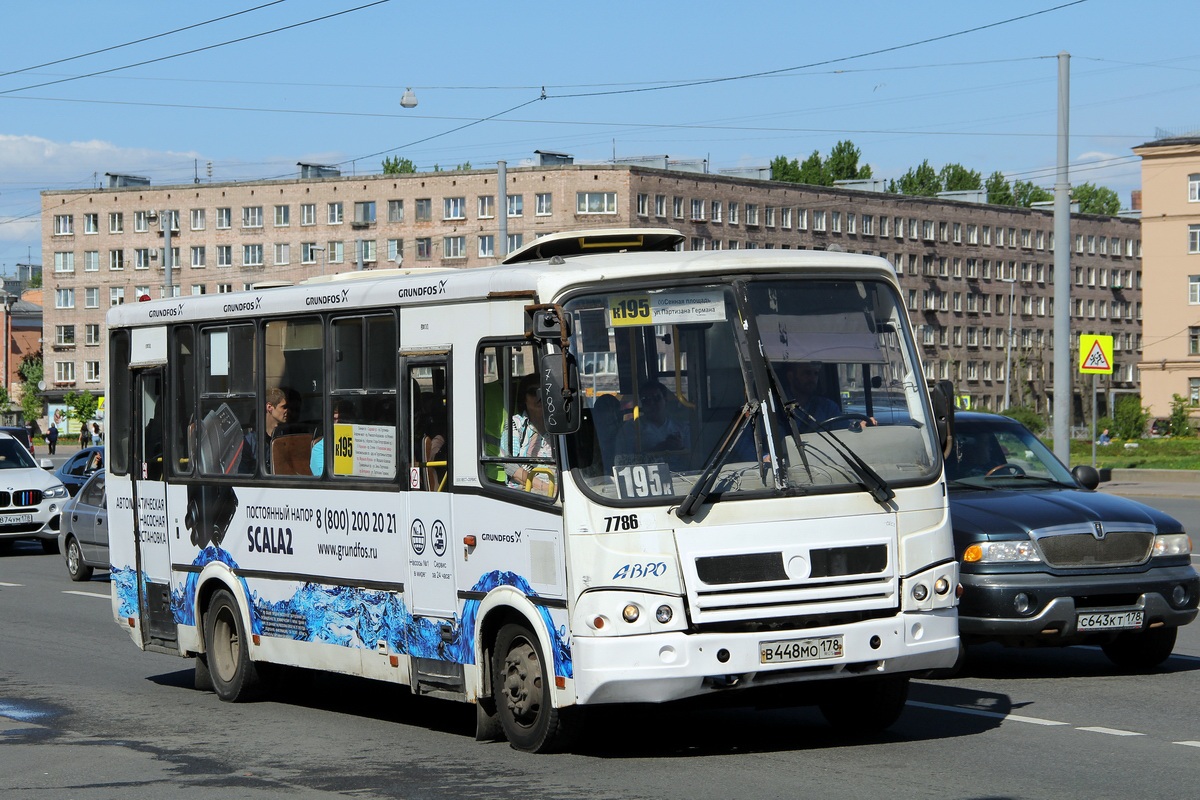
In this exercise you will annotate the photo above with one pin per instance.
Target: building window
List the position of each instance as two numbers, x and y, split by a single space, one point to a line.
751 213
544 205
199 256
487 206
697 210
308 213
116 222
487 246
785 219
733 214
516 205
819 221
283 253
116 259
367 251
660 205
1194 290
252 255
1194 238
424 248
454 247
64 371
64 262
141 258
515 241
116 295
715 210
283 216
336 251
677 207
224 219
643 204
424 210
364 213
835 221
1194 188
91 298
454 208
91 333
596 202
141 221
224 288
224 255
64 225
64 335
91 223
335 214
395 250
252 217
308 252
395 211
197 219
93 372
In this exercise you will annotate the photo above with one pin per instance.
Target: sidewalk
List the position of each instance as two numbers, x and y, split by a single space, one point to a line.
1153 482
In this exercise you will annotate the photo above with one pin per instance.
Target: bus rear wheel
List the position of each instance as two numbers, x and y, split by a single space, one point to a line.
863 707
521 688
234 676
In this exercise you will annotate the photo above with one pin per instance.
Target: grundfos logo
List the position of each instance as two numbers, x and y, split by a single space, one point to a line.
245 305
431 290
176 311
328 299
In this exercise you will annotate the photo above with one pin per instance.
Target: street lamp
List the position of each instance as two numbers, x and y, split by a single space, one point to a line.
408 99
1012 289
168 262
8 299
320 250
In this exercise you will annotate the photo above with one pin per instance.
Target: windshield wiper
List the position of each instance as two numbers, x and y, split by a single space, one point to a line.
868 478
703 486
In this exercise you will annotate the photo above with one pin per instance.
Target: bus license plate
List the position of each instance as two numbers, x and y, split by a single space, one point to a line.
792 650
1109 621
16 519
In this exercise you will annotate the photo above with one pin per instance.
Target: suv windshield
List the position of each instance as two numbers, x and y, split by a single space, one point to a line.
813 381
999 451
13 455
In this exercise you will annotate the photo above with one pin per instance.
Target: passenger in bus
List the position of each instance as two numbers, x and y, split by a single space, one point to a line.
606 420
524 436
280 402
316 459
802 382
653 430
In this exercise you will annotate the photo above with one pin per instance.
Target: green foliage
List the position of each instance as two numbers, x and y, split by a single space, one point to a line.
812 171
81 406
784 170
31 368
999 193
1177 423
1027 417
1025 194
465 166
1094 199
395 165
35 281
840 165
921 181
1131 418
957 178
31 402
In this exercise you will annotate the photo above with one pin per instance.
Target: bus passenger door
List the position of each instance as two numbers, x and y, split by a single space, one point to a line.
150 508
432 596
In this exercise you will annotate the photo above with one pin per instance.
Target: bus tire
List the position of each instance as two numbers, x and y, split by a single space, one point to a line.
1141 650
521 689
78 570
202 681
234 676
864 707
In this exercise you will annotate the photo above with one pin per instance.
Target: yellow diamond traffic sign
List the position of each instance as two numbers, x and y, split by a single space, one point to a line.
1095 354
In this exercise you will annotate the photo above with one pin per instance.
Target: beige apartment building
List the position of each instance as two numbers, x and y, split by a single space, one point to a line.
960 261
1171 225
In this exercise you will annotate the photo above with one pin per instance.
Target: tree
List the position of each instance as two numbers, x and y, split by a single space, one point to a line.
1027 417
82 406
1178 421
1131 417
957 178
395 165
784 170
999 193
31 375
842 163
1025 194
1095 199
921 181
812 171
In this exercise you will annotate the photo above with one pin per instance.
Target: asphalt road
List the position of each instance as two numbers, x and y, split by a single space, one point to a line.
84 714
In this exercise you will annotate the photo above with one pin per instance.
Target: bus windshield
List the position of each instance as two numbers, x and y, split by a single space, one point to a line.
755 387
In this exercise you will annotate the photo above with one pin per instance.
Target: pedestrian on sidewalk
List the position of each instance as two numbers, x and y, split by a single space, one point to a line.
85 436
52 438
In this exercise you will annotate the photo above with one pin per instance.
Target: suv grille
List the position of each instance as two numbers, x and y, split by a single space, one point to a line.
1119 548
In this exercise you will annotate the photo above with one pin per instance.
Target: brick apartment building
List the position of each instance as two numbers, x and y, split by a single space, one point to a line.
959 261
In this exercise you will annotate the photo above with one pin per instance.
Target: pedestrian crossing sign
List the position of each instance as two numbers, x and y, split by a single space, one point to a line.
1095 354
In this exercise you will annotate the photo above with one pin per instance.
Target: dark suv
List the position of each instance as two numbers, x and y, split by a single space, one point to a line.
19 433
1046 560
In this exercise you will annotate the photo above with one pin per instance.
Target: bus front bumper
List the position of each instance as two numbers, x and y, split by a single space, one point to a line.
673 666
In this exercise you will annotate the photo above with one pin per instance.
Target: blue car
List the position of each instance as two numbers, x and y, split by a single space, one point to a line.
1046 560
78 468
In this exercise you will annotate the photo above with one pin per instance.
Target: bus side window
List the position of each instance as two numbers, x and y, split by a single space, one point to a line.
515 451
227 399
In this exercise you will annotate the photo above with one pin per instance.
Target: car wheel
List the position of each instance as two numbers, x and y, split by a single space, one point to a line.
234 676
78 570
1141 650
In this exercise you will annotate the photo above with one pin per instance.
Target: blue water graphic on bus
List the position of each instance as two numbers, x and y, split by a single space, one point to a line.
361 618
124 584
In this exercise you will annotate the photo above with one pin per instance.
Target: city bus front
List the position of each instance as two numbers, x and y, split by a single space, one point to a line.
755 496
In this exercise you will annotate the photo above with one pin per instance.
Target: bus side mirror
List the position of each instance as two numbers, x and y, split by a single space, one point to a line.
942 396
562 402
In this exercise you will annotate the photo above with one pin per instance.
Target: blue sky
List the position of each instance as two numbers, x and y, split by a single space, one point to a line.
732 83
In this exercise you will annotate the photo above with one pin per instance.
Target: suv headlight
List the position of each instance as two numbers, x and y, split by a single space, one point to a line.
1001 553
57 491
1172 544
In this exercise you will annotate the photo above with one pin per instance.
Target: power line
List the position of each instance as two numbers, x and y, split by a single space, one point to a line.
139 41
201 49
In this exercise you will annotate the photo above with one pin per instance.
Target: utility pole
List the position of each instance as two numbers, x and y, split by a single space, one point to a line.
1062 272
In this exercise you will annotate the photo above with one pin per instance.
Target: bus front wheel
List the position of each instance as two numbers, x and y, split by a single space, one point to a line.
234 676
521 688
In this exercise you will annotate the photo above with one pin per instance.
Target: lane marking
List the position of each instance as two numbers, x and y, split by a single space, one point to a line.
1188 744
991 714
1111 731
87 594
9 584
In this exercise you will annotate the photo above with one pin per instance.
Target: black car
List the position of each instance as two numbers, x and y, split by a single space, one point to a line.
78 468
1046 560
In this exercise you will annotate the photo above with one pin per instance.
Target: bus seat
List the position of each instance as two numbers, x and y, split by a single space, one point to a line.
290 454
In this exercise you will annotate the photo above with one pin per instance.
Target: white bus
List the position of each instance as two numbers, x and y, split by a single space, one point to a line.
605 471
